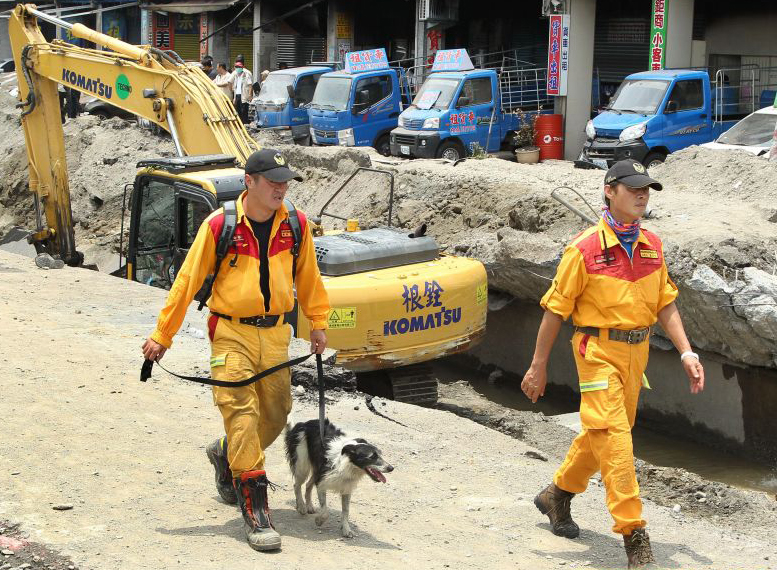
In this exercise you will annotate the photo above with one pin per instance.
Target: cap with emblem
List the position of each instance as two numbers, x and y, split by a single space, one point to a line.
272 165
632 174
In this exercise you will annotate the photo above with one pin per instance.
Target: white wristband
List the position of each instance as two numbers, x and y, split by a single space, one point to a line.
688 353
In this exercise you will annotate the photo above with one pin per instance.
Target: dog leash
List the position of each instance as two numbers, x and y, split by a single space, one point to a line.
371 407
148 365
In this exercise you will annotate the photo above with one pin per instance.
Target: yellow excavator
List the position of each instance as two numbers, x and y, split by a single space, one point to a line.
396 300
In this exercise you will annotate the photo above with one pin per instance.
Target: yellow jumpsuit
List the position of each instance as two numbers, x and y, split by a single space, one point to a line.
253 415
601 287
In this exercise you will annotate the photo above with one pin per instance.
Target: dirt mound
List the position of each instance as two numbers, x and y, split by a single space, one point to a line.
101 158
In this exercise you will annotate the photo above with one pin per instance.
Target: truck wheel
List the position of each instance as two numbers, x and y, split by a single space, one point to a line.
652 159
450 150
383 146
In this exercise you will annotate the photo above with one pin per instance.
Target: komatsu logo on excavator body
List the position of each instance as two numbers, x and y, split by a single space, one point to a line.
87 84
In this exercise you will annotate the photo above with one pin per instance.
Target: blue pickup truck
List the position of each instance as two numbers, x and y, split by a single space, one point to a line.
283 98
459 106
359 105
654 113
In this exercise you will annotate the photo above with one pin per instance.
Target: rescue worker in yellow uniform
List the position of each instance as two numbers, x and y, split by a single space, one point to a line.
253 289
613 281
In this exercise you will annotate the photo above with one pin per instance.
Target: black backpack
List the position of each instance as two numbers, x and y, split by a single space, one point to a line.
228 233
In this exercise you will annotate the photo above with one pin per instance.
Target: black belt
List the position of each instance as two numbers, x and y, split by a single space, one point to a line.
261 321
634 336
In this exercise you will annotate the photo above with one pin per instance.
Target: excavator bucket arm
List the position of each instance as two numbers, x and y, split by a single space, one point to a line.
150 83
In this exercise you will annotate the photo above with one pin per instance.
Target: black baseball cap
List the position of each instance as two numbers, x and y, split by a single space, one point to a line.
631 173
271 164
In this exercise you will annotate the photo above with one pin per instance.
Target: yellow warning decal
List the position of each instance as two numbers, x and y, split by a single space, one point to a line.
482 293
342 318
651 253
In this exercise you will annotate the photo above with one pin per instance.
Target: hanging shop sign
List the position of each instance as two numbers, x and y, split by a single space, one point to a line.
558 54
658 35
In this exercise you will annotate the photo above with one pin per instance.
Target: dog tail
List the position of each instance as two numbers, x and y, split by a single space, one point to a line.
290 423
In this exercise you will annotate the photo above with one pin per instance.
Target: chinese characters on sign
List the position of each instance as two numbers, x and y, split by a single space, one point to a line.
343 26
452 60
658 35
413 299
558 54
203 34
368 60
433 41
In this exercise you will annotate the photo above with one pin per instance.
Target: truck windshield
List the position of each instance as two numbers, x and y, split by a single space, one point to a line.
754 130
446 89
332 93
273 90
638 96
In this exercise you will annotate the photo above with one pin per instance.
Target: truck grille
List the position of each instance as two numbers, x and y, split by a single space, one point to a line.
404 139
325 134
414 124
601 153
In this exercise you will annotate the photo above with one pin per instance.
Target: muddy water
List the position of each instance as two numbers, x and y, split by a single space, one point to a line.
653 447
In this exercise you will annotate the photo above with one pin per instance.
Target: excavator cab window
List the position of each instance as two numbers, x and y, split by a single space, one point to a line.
193 205
166 216
153 217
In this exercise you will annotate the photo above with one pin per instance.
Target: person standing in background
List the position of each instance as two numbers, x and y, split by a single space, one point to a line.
207 67
224 80
242 84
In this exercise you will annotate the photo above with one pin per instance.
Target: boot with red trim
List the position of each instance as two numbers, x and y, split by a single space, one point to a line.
217 455
251 489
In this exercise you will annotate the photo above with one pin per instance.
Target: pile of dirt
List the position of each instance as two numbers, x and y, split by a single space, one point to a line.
101 157
18 552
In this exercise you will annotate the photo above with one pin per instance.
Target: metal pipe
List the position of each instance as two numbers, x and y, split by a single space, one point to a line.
174 133
47 18
574 210
81 31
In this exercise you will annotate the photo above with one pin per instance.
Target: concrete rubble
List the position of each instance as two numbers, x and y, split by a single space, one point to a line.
719 230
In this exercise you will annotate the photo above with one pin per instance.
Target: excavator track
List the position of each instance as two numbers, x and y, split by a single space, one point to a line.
413 384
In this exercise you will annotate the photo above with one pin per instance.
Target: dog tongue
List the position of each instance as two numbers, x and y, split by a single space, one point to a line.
377 474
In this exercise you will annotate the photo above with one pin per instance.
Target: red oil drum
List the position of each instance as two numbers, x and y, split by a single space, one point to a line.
550 136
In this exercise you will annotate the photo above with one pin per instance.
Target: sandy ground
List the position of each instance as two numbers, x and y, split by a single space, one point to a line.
79 429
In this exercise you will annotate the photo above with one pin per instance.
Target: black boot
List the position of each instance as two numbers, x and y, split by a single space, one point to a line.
217 454
555 503
251 489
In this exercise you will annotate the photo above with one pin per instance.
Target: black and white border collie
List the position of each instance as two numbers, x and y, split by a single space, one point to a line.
336 464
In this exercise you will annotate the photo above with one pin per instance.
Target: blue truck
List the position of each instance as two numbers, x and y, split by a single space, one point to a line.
283 98
359 105
654 113
458 107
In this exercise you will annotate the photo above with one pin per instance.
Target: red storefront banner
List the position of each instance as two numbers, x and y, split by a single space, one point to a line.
558 54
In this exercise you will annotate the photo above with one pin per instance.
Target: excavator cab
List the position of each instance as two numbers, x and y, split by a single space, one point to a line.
170 199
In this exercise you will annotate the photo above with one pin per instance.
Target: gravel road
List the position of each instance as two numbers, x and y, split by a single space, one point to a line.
81 431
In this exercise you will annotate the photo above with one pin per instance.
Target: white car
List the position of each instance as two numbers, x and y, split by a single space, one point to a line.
753 134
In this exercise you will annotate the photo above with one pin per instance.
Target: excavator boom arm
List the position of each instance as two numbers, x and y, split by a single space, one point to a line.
150 83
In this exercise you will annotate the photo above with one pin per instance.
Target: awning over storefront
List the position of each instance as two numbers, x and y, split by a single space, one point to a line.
183 7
